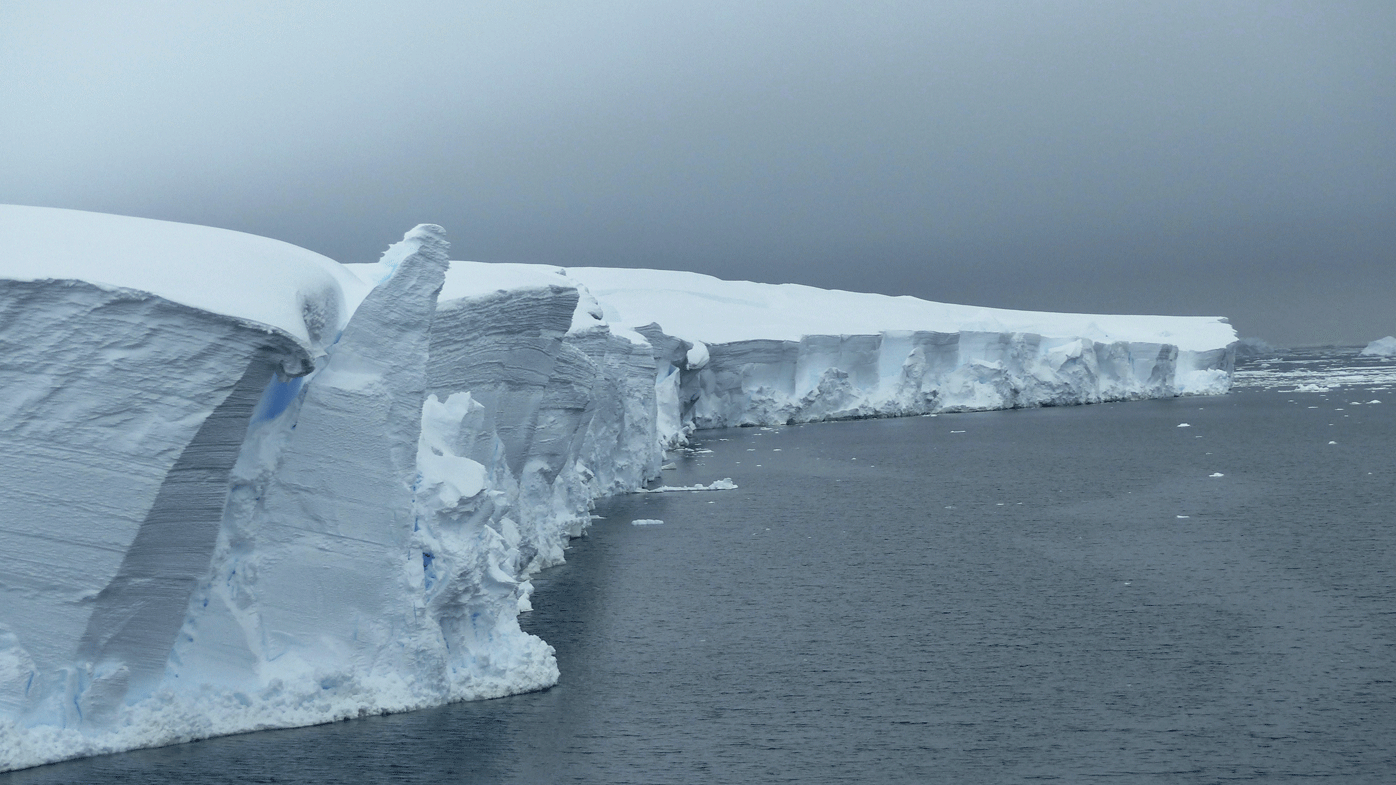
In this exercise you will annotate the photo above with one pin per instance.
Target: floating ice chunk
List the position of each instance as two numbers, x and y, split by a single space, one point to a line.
1332 442
646 522
1184 425
1312 388
669 466
1373 401
1382 347
1181 517
1216 474
957 431
724 484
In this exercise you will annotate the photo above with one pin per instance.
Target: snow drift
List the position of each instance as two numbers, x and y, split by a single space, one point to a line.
248 487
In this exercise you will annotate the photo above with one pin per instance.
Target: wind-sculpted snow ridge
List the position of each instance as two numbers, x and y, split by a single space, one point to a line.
246 487
741 353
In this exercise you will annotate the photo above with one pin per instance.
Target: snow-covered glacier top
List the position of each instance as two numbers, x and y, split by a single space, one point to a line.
256 279
476 279
310 297
713 310
468 280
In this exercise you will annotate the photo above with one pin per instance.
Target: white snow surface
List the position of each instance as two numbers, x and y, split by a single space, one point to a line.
304 294
246 487
713 310
1382 347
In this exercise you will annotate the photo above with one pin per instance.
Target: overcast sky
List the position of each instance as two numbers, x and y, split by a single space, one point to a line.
1213 158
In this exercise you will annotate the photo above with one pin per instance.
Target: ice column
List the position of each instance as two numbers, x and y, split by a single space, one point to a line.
320 578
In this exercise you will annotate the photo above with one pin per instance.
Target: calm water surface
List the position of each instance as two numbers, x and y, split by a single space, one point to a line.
1054 594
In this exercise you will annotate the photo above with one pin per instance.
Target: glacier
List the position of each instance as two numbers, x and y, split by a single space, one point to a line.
249 487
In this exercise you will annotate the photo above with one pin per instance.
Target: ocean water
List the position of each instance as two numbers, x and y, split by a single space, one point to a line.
1076 594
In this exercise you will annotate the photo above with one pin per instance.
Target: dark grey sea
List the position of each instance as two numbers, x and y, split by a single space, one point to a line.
1195 590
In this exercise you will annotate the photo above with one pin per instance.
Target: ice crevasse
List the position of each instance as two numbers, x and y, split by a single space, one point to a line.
247 487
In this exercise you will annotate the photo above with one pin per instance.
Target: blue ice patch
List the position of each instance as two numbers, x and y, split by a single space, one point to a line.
276 397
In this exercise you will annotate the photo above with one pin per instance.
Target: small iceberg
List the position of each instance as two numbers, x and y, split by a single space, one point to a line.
1382 347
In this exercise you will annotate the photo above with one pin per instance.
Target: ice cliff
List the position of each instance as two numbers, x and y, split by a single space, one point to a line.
248 487
741 353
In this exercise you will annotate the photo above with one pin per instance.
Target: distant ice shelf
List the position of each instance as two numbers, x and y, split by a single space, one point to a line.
247 487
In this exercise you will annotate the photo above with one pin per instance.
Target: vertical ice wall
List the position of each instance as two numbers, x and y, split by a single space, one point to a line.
355 541
897 373
789 353
201 539
567 407
122 416
320 564
367 564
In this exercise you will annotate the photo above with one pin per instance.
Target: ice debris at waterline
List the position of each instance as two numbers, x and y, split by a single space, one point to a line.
724 484
248 487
